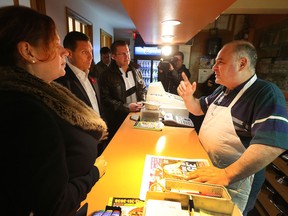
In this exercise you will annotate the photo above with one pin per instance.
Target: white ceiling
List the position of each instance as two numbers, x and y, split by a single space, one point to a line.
115 14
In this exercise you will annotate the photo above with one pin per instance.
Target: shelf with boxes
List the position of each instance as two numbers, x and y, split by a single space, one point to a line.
273 198
274 40
205 68
274 70
272 51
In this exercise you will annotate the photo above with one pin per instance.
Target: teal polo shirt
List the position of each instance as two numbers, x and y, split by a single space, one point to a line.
259 116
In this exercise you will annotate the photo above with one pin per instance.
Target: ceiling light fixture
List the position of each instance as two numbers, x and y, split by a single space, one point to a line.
171 22
166 50
167 38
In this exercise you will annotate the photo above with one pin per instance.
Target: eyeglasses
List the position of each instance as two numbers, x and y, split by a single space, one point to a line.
123 54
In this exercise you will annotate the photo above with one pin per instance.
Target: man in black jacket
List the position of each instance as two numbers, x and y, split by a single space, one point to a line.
77 77
103 64
172 77
122 87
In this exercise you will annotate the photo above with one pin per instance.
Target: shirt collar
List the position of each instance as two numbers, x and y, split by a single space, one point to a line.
238 88
126 73
79 73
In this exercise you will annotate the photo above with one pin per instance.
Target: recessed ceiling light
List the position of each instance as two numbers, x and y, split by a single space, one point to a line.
167 36
171 22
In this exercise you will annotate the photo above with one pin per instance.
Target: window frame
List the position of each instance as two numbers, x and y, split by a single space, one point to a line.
86 26
105 39
38 5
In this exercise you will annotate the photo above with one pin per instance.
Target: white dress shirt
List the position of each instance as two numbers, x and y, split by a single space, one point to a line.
83 78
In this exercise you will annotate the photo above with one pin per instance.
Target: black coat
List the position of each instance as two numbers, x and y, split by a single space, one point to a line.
171 79
47 155
113 94
70 81
46 163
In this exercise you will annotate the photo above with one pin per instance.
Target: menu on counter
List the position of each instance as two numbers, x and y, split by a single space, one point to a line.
129 206
159 168
145 125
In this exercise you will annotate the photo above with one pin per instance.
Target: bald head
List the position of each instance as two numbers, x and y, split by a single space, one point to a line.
244 49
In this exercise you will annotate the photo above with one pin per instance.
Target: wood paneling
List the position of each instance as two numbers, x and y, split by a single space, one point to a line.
194 14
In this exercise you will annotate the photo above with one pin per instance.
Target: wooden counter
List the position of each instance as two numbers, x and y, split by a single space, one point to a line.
126 156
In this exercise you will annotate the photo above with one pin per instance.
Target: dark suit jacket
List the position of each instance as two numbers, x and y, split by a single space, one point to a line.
70 81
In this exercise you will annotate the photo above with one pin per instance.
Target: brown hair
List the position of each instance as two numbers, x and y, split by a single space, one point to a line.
180 54
19 23
116 44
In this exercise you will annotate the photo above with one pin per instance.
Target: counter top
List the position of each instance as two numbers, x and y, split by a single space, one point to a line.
126 154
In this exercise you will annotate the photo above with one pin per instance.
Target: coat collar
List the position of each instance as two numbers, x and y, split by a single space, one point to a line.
58 98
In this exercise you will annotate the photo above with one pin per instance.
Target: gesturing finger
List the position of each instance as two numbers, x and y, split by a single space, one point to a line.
185 78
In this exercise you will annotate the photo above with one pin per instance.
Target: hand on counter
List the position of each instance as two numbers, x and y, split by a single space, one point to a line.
210 175
101 164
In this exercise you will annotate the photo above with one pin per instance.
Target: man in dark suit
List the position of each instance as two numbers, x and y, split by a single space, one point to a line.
97 69
77 77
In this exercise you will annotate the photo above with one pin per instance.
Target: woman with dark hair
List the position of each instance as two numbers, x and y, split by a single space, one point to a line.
49 137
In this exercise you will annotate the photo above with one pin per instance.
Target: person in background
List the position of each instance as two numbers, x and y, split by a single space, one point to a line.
206 88
245 127
122 87
171 77
103 64
77 78
48 157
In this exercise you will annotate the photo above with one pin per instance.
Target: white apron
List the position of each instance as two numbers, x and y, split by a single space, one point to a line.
224 147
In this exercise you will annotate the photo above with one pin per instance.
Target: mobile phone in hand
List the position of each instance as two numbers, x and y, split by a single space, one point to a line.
107 213
98 213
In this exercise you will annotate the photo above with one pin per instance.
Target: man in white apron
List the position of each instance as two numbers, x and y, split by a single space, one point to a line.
241 129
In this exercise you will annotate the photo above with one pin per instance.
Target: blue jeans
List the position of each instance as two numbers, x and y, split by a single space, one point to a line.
251 202
258 181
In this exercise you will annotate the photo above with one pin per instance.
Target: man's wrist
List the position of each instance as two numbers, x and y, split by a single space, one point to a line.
230 175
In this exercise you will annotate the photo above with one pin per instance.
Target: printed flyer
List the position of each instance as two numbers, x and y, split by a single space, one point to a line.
159 168
129 206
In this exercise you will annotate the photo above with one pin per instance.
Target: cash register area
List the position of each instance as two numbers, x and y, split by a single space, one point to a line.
127 151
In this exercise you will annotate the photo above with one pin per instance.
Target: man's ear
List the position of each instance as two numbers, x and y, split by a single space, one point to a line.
26 51
69 53
243 63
